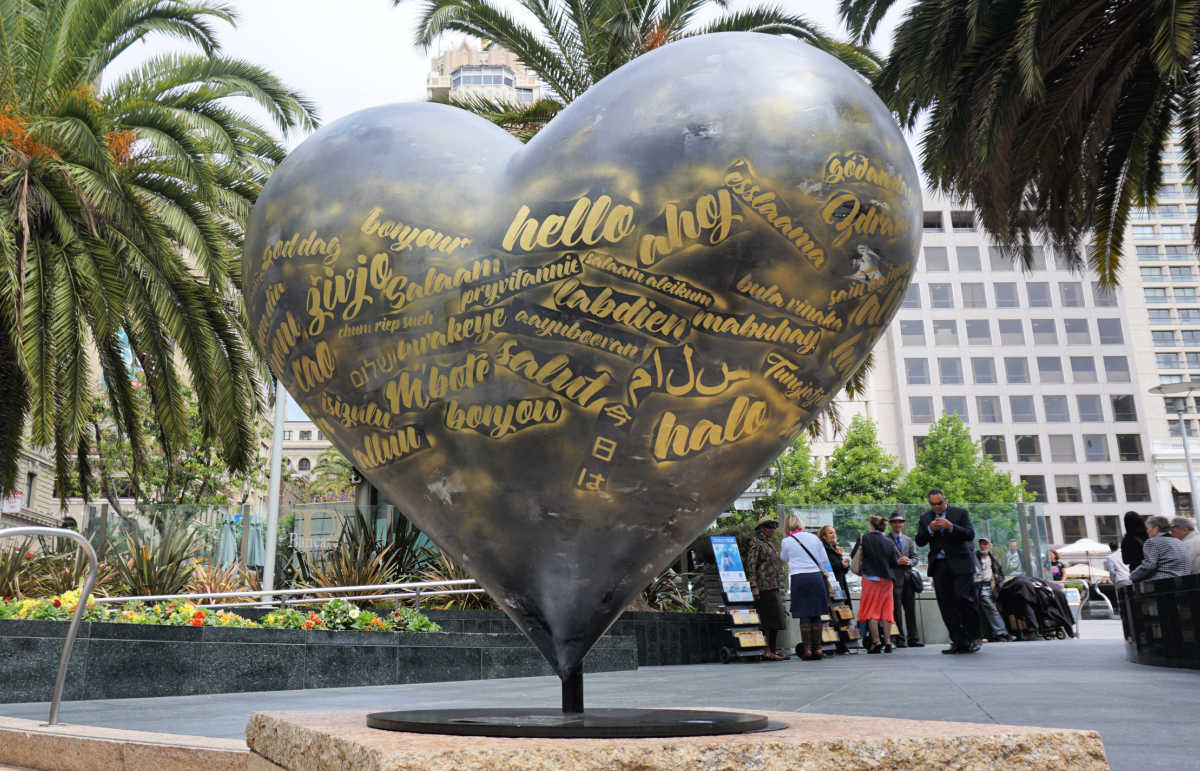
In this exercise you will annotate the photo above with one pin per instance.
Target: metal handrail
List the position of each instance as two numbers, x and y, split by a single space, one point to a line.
93 567
400 596
418 585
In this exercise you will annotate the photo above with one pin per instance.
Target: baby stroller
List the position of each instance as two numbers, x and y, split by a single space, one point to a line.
1035 608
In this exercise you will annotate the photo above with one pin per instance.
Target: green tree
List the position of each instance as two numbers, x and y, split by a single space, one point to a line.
954 462
860 471
331 476
1052 115
794 477
572 45
122 207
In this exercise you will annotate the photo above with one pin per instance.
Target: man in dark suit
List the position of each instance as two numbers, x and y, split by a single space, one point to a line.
947 531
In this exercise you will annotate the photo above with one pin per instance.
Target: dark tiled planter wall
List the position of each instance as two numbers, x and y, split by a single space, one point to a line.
1164 622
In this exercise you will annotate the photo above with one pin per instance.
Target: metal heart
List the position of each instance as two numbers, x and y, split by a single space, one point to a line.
563 359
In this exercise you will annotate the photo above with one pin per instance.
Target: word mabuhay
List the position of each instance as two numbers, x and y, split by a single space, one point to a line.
772 297
557 373
498 420
414 390
739 178
765 329
634 311
519 280
674 440
781 372
536 321
381 449
671 286
673 371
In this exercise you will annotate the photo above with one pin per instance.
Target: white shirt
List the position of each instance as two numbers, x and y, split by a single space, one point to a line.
1118 571
798 561
1192 542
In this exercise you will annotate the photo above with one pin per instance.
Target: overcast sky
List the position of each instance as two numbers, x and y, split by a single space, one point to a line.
347 55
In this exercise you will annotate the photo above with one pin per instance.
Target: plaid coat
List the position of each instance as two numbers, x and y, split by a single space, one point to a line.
763 566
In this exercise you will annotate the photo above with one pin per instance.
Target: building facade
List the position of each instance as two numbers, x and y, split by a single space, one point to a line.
303 443
482 70
33 502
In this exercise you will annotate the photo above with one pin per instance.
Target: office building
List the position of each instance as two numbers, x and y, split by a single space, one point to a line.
487 71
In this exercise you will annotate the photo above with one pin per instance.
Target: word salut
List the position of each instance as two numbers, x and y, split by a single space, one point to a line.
649 329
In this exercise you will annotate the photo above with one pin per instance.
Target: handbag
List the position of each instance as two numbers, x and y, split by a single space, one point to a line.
856 560
831 586
918 583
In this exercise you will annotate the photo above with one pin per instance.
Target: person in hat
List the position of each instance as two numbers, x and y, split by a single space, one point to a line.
763 572
988 577
904 589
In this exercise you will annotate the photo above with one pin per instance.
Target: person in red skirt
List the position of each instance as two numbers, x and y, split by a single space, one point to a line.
879 557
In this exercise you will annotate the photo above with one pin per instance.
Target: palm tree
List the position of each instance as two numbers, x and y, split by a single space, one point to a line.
122 209
1052 115
332 475
575 43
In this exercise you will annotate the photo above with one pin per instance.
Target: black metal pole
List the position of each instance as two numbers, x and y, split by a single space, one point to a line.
572 692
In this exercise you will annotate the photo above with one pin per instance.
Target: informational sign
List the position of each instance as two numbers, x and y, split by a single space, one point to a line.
12 503
813 517
744 616
750 638
1072 595
729 567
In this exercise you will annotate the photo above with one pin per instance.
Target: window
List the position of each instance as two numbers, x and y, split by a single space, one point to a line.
1066 487
1176 404
979 332
1110 331
1143 232
1155 294
995 448
931 222
1073 528
1191 337
1044 332
998 260
1011 332
1090 410
921 408
983 369
945 333
1077 332
988 408
1095 447
936 259
955 405
941 296
1022 409
1173 427
1165 379
912 332
1159 315
1175 252
1185 294
1116 369
912 296
524 97
1123 409
1137 487
974 296
950 371
1193 360
1039 294
1083 369
1173 231
1189 316
287 435
320 437
1147 253
1103 298
1006 295
306 436
1071 293
968 258
1162 337
1028 450
1108 528
1168 361
1103 489
1056 409
1035 486
1016 369
304 465
1062 448
1050 369
916 371
1182 273
1152 275
962 221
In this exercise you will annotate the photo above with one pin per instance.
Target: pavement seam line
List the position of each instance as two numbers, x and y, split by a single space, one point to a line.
970 698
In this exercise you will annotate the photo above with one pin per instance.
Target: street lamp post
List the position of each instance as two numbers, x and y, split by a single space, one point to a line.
1182 390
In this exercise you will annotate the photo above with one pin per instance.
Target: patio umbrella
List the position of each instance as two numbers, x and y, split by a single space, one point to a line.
225 552
1084 547
1085 571
255 545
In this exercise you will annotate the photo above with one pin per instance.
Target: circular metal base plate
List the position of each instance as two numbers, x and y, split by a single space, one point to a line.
555 724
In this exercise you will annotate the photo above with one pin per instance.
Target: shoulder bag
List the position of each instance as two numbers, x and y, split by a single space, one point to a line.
831 586
856 560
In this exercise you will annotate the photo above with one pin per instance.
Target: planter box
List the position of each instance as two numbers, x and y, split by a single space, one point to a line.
113 661
1163 622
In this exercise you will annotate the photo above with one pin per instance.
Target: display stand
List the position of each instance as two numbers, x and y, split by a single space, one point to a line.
743 637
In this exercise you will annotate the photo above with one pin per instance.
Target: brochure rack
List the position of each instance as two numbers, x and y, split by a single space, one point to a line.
743 637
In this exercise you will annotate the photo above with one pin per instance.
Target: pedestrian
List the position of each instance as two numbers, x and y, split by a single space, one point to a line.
763 567
880 558
988 578
904 600
1185 530
1057 568
1131 542
841 565
807 568
1163 556
1014 559
948 532
1118 571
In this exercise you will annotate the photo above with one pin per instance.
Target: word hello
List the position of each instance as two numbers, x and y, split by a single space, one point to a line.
673 440
500 420
587 224
712 216
404 237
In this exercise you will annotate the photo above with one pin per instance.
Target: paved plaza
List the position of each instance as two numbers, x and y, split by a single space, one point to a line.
1146 715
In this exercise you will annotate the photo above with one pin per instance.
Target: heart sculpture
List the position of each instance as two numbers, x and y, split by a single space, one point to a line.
562 360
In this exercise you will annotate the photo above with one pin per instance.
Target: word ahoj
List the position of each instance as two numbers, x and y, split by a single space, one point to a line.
587 224
712 216
674 440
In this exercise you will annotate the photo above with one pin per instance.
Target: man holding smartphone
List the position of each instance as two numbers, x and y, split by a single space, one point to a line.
948 533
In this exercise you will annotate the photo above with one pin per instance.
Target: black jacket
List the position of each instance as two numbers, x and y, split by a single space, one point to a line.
879 555
997 571
954 544
1131 550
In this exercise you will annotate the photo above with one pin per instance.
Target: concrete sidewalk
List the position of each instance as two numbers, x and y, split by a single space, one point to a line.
1142 712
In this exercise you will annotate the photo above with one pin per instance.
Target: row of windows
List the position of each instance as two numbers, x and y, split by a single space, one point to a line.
1149 252
1186 316
305 436
1156 275
1101 487
1022 408
961 221
1004 295
481 76
1180 294
1012 331
1151 232
1060 448
1164 338
304 464
1165 212
967 260
1074 527
1016 370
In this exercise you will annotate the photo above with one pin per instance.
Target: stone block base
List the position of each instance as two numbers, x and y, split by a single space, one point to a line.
307 741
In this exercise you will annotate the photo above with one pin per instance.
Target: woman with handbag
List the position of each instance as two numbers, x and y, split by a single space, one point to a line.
811 584
843 609
874 558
